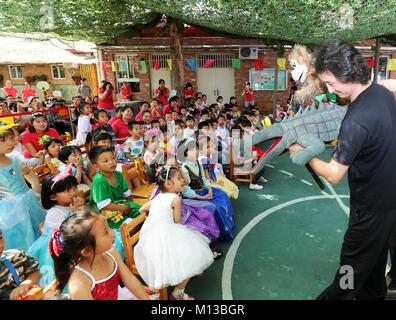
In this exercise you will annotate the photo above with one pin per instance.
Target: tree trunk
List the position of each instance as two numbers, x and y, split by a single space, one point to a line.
275 95
377 54
176 54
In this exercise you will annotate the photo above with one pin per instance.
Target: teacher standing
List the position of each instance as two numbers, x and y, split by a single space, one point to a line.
366 148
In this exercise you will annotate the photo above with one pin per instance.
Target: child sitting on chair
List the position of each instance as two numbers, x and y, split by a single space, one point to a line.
86 261
245 157
52 147
214 170
133 147
198 187
18 272
75 163
110 192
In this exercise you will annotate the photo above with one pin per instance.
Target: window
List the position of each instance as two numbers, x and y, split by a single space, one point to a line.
127 71
58 72
221 60
15 72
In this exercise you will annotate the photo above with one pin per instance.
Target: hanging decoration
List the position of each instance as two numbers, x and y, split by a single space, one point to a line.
392 65
104 66
169 61
143 66
156 64
281 63
236 63
258 64
371 62
191 65
113 66
209 62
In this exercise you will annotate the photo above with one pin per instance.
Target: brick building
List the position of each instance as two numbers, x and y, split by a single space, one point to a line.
221 78
34 58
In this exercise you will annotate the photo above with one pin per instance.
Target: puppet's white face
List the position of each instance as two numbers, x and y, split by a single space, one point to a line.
299 72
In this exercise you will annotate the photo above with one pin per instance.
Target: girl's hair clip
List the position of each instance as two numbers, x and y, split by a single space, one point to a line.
55 245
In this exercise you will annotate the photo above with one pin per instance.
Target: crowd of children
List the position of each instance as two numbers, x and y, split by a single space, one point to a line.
185 149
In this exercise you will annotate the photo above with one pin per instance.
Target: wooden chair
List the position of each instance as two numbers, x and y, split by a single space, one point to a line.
65 138
42 171
131 175
130 236
237 174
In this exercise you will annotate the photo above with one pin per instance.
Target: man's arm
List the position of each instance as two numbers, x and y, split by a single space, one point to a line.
332 171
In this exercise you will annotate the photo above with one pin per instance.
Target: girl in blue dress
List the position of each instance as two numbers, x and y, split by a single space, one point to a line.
59 195
20 209
199 188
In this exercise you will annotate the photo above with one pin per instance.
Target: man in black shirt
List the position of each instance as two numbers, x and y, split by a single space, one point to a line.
366 147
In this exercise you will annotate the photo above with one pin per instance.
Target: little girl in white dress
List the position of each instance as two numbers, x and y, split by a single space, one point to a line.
168 253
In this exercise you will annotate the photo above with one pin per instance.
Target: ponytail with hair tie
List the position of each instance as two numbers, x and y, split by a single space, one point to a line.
55 245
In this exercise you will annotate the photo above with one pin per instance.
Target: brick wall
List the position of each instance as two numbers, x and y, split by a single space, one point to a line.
263 98
40 69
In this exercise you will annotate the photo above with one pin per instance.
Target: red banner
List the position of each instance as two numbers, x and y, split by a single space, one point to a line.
156 65
371 62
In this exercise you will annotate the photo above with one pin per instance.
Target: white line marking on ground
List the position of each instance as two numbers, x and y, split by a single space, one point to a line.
306 182
327 195
287 172
268 165
230 256
334 193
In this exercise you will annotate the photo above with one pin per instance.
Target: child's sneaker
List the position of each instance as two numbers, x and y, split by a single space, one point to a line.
255 187
184 296
263 180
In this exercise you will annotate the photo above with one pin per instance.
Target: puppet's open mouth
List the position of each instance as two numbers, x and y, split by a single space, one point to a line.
272 146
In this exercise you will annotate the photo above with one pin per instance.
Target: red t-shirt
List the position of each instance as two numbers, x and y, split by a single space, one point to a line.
169 109
26 93
154 116
107 103
161 96
113 119
125 92
189 93
249 95
33 138
11 91
120 129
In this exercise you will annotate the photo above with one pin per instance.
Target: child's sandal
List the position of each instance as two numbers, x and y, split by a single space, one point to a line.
217 253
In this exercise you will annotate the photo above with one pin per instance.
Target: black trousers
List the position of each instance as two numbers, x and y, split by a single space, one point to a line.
392 252
365 249
257 176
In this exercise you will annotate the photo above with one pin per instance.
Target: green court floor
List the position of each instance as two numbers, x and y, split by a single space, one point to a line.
288 239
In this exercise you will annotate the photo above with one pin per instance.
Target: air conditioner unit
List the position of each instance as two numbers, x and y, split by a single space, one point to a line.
248 53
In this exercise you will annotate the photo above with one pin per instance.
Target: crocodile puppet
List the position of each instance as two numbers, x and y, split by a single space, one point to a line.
309 128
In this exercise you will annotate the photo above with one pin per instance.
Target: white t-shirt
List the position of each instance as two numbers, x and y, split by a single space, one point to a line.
188 132
223 133
84 126
56 215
